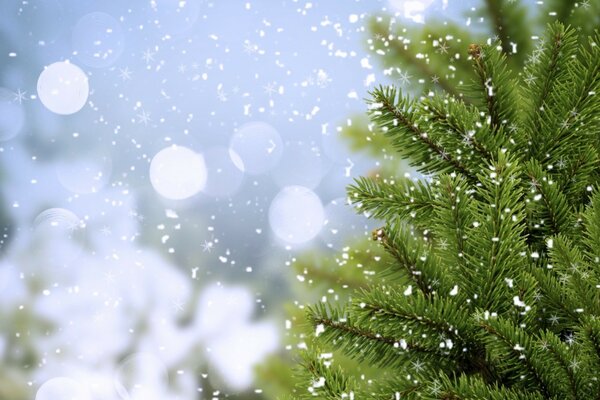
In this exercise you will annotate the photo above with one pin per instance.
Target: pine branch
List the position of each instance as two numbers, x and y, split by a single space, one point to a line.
510 349
470 388
400 199
548 206
452 214
561 362
591 241
391 312
328 382
463 122
547 72
579 280
406 52
364 344
497 241
509 22
495 87
397 116
579 122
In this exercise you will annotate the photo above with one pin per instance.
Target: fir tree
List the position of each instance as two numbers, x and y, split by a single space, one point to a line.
498 254
434 57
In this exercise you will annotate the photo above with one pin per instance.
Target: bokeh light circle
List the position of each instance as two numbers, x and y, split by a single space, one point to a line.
177 172
97 40
59 237
12 115
224 173
62 389
296 214
141 376
258 145
63 88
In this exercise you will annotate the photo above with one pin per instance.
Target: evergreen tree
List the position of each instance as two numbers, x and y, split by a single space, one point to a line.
423 59
497 256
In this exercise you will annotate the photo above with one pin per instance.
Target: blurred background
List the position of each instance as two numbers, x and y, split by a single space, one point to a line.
163 165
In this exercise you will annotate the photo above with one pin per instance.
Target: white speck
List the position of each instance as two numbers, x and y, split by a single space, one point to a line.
408 290
364 62
454 291
353 18
320 329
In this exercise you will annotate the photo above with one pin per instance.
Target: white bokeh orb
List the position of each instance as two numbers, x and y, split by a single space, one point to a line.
63 389
97 40
12 115
225 172
58 238
296 214
63 88
178 173
258 145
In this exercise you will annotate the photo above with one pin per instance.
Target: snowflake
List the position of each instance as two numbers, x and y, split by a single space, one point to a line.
323 78
435 79
19 96
561 163
250 47
148 56
574 364
529 79
443 48
435 388
404 78
570 339
553 319
144 117
221 95
125 73
270 88
418 365
207 246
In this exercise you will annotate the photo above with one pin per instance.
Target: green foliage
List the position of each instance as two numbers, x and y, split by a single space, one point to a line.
497 254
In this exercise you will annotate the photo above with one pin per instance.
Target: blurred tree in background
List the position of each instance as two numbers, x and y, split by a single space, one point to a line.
425 59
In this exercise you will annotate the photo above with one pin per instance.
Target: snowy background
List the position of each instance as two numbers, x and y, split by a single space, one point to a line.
161 162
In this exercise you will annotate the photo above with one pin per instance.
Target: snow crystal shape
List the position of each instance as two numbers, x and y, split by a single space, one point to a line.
62 388
177 172
296 214
63 88
258 145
